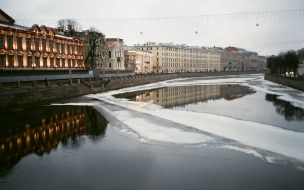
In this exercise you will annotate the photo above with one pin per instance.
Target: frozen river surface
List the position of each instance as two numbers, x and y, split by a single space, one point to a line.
237 132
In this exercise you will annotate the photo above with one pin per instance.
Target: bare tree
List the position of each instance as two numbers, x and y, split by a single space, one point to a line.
97 49
66 23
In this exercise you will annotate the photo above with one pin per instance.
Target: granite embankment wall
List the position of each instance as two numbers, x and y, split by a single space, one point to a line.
286 81
29 93
22 94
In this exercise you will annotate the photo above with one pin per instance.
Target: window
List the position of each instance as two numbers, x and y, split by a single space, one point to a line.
62 49
43 45
156 53
109 54
69 49
74 65
109 65
52 62
45 62
20 61
51 46
9 43
63 62
2 60
57 62
156 48
57 48
29 61
69 63
36 45
37 61
1 42
19 44
73 50
11 61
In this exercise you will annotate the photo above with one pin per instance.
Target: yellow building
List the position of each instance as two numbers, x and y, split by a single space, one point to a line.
141 61
37 47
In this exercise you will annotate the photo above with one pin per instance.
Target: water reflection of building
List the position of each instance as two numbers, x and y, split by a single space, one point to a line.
43 136
182 95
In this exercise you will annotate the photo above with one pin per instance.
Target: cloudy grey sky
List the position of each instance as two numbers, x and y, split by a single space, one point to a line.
219 23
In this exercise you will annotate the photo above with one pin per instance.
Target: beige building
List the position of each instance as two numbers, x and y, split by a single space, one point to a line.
140 61
181 58
37 47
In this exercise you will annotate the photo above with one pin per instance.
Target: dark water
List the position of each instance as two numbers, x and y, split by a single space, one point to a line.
79 147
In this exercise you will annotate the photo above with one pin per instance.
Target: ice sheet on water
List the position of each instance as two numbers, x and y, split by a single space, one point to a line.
252 134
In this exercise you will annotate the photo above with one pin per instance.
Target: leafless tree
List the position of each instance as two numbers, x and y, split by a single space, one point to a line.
97 49
65 23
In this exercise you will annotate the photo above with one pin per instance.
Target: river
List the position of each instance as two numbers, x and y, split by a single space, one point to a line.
232 132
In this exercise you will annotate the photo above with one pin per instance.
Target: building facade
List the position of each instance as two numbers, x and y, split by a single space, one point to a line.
37 47
140 61
182 58
115 54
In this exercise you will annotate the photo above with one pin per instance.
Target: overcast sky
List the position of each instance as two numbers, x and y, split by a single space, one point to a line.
219 23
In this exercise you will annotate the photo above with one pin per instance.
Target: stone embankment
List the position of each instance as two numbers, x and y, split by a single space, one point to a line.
29 93
296 83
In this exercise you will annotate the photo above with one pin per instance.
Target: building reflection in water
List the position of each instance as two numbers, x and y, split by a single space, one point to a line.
48 127
284 108
182 95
